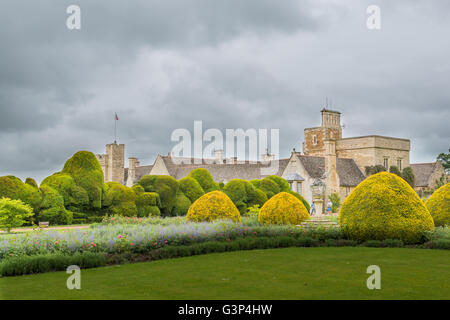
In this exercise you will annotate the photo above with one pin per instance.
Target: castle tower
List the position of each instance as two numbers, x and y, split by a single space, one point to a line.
330 129
133 163
113 162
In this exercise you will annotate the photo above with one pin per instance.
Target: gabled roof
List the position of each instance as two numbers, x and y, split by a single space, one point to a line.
423 172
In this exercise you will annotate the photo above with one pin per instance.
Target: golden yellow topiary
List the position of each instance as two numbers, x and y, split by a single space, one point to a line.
283 208
439 205
213 206
384 206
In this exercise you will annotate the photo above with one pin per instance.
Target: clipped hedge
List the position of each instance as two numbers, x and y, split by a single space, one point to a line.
205 179
213 206
166 187
283 208
73 195
382 207
191 188
52 207
282 183
439 205
242 193
31 182
148 204
120 200
13 188
85 169
182 204
269 187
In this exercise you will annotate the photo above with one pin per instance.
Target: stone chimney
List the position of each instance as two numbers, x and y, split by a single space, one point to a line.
332 177
218 156
133 163
266 157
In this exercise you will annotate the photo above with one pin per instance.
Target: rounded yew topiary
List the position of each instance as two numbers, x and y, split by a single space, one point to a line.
283 208
384 206
148 204
166 187
120 200
269 187
205 179
13 188
182 204
191 188
85 169
299 197
212 206
283 184
439 206
260 198
242 193
73 195
52 208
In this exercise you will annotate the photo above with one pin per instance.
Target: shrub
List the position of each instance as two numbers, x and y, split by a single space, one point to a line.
191 188
408 175
269 187
182 204
372 243
13 188
166 187
13 213
120 199
259 199
256 183
138 189
382 207
303 200
392 243
85 169
73 195
52 207
335 201
242 193
395 170
439 205
283 208
282 183
148 204
213 206
31 182
205 179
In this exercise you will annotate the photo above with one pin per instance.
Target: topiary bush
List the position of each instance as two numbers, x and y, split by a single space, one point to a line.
148 204
242 193
85 169
382 207
269 187
191 188
13 213
283 208
299 197
283 184
74 196
13 188
120 200
31 182
182 204
256 183
138 189
166 187
205 179
52 208
259 199
213 206
439 206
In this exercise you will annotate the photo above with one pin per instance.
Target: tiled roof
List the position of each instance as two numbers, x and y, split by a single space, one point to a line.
423 172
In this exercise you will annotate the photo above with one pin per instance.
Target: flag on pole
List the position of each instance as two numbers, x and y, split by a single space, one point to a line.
117 118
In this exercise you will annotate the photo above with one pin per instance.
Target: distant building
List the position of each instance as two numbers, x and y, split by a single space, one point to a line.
328 164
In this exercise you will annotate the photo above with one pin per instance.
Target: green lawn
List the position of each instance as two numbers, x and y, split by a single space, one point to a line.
292 273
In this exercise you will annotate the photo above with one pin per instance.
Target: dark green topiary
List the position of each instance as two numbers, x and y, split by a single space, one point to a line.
148 204
120 200
205 179
182 204
85 169
52 207
256 183
13 188
138 189
166 187
242 193
31 182
260 198
282 183
299 197
269 187
191 188
73 195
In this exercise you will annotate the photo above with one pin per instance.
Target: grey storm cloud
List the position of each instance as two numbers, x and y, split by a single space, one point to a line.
161 65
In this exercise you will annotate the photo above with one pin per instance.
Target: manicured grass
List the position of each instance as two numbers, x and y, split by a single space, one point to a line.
291 273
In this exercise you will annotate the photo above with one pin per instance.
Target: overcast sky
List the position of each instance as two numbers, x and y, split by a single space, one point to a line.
231 63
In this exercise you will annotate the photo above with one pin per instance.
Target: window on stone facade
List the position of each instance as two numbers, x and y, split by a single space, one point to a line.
386 162
347 191
299 187
399 164
314 140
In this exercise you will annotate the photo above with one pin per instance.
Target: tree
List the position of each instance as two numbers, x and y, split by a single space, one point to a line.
370 170
408 176
444 158
395 170
13 213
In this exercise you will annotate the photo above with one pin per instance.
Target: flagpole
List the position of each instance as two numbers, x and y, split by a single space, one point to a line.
115 128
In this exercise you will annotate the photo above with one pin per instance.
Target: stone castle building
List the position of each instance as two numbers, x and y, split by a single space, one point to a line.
328 164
